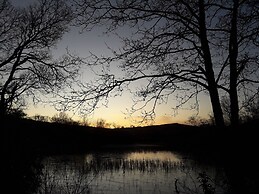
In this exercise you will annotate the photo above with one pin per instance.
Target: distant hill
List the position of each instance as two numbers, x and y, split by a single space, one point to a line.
48 137
53 137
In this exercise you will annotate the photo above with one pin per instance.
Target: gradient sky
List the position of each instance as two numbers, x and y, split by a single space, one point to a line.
95 42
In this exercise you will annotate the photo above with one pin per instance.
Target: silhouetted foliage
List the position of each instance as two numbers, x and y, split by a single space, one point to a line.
199 121
179 46
225 103
251 108
63 118
16 113
38 117
27 36
101 123
85 122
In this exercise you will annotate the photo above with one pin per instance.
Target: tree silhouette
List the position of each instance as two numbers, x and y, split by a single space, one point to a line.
101 123
26 63
62 118
251 108
180 45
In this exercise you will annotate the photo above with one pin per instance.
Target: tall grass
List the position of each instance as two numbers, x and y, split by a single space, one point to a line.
122 175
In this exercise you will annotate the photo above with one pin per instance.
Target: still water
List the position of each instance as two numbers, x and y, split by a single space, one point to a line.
137 171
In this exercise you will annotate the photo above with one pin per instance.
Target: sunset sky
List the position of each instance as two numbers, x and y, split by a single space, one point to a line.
96 42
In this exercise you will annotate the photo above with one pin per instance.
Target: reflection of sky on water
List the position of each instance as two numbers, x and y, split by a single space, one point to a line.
161 156
127 172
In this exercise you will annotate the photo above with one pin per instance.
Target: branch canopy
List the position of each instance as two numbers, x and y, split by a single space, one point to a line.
27 36
179 45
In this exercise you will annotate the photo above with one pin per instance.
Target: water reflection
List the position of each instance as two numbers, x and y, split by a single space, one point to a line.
158 155
129 172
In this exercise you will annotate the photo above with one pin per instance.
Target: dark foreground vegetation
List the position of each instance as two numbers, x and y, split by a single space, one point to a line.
26 140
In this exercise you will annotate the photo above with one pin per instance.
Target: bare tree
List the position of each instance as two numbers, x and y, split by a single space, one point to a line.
181 45
225 104
41 118
27 36
101 123
62 118
199 121
250 108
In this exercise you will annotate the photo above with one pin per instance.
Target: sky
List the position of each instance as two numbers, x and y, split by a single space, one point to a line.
96 42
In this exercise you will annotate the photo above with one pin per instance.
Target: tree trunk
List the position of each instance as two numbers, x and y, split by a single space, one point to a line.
212 85
2 108
233 53
216 107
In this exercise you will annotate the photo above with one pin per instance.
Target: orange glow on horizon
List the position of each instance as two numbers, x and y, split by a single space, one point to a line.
115 118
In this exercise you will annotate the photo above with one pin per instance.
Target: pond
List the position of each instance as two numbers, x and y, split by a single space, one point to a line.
142 171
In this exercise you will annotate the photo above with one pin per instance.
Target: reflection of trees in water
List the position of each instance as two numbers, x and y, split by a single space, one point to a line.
65 177
203 184
84 176
64 181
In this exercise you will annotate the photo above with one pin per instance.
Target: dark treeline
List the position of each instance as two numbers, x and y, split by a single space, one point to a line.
39 136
